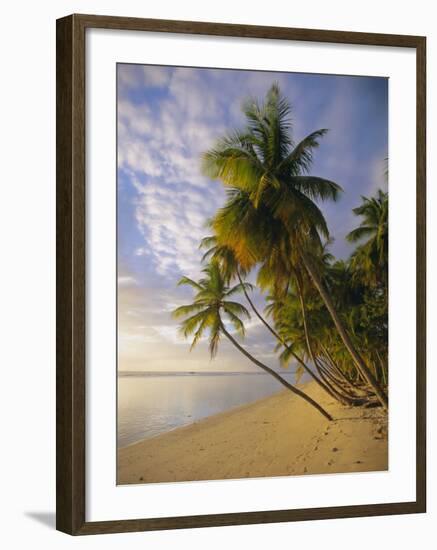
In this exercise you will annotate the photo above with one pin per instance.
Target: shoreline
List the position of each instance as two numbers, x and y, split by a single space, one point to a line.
234 409
274 436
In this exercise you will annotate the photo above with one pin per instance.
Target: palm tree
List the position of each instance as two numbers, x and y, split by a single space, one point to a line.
211 305
271 209
304 325
371 258
230 268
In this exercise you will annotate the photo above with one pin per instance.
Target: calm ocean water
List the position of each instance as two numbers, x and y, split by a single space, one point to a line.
152 404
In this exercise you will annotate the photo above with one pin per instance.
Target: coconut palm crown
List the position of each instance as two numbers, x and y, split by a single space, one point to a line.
211 307
267 178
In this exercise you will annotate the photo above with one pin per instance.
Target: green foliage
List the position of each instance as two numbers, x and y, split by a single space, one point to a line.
210 305
271 221
370 259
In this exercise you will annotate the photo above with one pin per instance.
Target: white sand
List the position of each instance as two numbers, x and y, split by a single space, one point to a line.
277 436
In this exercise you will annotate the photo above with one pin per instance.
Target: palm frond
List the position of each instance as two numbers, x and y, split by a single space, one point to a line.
299 160
199 332
235 308
190 325
237 323
208 242
214 338
240 287
360 233
317 188
234 161
182 311
187 281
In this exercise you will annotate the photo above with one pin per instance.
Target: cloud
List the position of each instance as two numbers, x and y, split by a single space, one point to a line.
132 77
172 220
133 120
156 77
159 153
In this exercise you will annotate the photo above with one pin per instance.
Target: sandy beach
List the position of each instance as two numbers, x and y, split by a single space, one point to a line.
277 436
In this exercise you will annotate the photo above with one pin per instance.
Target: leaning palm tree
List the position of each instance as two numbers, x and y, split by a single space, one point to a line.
212 308
271 208
230 268
303 323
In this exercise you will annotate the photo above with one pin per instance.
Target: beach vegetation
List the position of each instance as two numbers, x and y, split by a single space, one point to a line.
326 315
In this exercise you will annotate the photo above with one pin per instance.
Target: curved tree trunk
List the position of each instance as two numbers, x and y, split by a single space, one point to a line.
329 389
265 368
330 373
383 368
335 392
345 395
336 367
282 341
361 366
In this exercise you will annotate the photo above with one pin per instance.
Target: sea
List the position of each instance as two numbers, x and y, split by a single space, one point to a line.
151 403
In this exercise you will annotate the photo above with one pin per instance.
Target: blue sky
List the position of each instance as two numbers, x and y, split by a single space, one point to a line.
167 116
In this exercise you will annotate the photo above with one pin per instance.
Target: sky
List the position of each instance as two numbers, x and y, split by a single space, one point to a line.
166 118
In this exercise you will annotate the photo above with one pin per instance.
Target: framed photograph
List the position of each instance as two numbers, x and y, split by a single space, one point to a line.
240 274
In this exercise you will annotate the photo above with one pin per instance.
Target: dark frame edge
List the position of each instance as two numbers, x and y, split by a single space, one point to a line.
64 481
247 518
421 397
246 31
70 275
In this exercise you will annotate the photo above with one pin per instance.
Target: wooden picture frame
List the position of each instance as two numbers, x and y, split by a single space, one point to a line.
71 258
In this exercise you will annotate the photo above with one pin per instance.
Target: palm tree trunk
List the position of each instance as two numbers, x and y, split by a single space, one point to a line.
329 370
326 384
338 377
361 366
336 367
265 368
260 317
336 393
337 385
331 373
383 369
281 340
